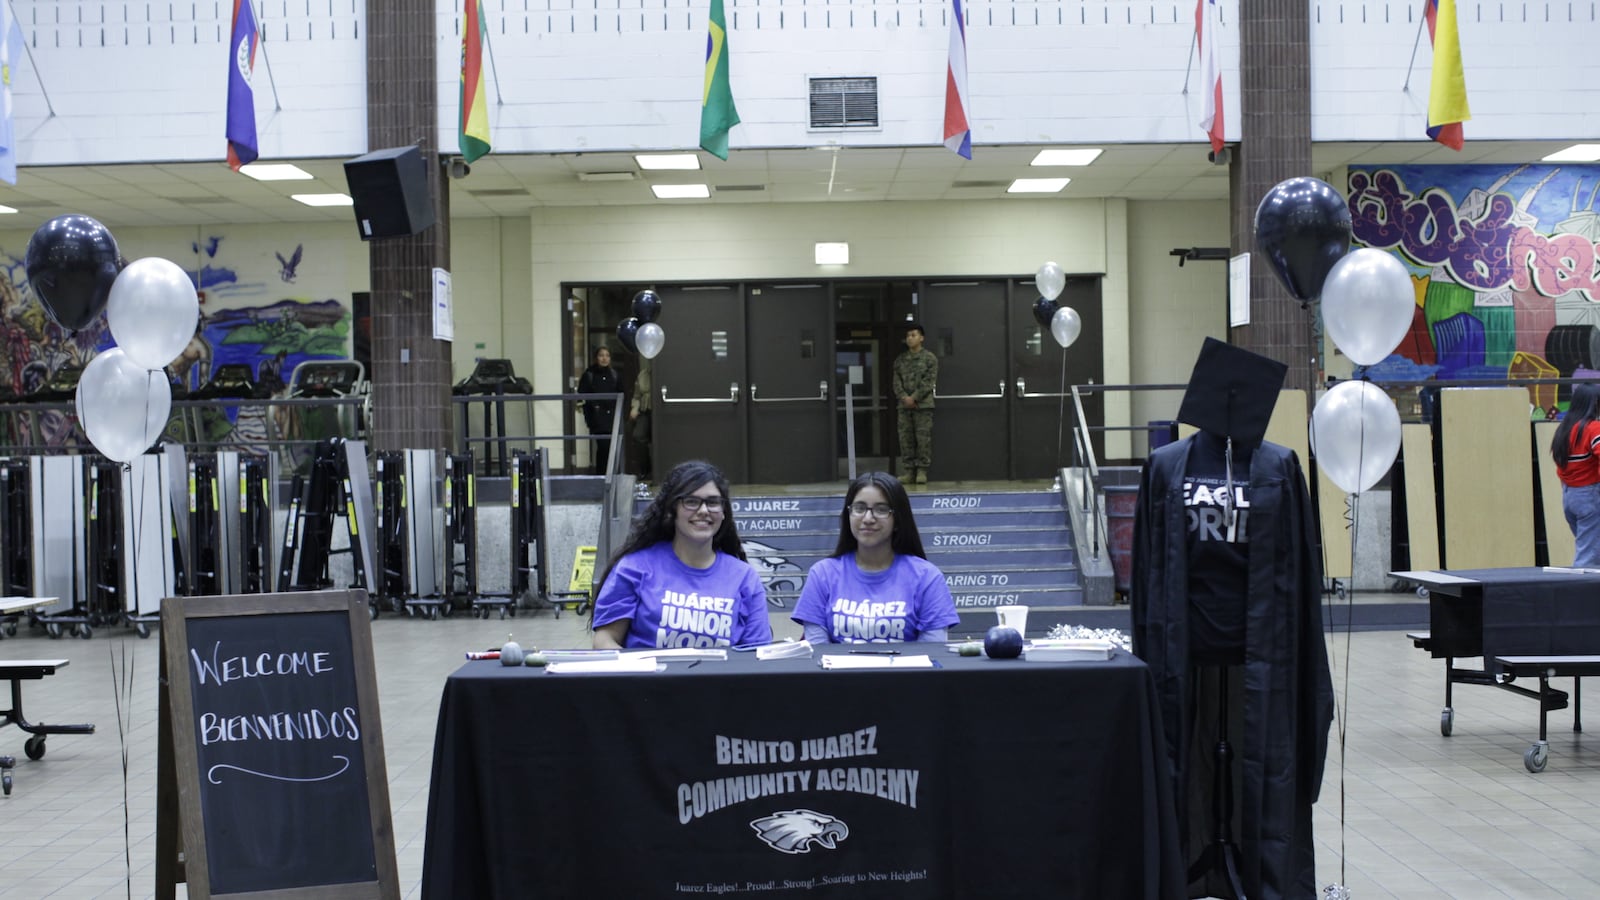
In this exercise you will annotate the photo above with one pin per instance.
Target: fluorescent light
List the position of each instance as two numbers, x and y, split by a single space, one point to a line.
6 211
681 191
832 254
324 199
1576 153
682 161
1066 157
605 176
276 172
1037 185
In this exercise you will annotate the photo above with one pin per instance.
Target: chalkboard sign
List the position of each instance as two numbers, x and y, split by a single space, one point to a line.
277 746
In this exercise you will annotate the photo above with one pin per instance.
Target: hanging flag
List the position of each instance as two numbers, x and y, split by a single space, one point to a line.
241 98
1207 26
717 112
11 51
474 109
957 124
1447 91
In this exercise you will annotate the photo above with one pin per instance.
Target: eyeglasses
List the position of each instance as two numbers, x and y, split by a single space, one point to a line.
878 510
693 503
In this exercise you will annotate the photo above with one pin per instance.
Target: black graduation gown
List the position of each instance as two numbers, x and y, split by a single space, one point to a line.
1286 704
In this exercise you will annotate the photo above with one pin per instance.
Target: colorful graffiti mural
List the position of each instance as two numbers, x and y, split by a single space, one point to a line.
240 327
1505 262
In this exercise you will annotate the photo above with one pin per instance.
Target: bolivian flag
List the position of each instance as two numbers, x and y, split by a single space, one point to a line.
474 110
717 113
1447 90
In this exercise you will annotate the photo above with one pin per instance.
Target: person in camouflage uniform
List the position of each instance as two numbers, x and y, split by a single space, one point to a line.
916 374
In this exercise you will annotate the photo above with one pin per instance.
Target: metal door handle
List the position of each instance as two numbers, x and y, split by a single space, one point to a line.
939 396
1022 391
822 394
733 396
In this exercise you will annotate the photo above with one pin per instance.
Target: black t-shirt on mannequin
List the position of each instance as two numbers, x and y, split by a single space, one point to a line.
1218 542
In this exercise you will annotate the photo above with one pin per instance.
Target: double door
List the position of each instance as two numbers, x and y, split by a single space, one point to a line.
746 381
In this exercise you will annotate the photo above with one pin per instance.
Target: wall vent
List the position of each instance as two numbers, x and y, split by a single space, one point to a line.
726 188
838 103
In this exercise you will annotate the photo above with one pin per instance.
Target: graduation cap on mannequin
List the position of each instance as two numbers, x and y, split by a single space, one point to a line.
1231 394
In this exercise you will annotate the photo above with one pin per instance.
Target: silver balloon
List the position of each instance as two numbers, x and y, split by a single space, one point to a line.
1065 326
152 311
650 339
1355 434
1050 280
1368 305
122 406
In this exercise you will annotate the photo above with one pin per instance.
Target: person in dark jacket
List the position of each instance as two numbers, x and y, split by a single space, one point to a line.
598 414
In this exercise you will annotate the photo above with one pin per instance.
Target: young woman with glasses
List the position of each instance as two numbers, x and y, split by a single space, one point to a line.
878 585
681 580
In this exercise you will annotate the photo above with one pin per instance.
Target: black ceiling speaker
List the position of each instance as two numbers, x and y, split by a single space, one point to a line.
390 190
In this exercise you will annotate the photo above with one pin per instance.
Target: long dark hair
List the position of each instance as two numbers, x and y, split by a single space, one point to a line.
658 521
1585 408
903 537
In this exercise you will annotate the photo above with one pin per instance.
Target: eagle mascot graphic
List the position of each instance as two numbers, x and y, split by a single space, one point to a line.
797 830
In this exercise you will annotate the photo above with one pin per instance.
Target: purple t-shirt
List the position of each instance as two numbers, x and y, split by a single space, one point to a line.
897 604
673 604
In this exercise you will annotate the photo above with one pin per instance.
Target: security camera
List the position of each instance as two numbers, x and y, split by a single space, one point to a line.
459 168
1220 157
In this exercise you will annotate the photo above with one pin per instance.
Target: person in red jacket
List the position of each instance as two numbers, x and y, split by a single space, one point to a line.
1576 449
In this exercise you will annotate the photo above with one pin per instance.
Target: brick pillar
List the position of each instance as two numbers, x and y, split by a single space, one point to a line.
410 370
1275 144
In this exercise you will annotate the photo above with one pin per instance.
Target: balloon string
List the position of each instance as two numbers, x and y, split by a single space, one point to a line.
1061 409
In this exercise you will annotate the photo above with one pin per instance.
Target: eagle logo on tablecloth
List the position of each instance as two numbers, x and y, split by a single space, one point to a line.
798 830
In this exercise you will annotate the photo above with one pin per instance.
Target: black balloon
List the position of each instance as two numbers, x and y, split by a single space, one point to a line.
1303 226
627 331
71 263
1044 309
646 306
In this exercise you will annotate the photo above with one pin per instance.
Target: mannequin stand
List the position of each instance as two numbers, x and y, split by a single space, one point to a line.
1221 854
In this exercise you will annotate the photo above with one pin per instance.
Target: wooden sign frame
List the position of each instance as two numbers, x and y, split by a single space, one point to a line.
179 761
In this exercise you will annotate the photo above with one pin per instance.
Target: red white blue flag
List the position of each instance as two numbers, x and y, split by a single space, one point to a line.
1207 25
957 121
241 99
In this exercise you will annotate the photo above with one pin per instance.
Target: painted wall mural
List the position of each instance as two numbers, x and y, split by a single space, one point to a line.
1505 262
257 323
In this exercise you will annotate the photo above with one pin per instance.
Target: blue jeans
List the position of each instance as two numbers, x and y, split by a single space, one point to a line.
1582 508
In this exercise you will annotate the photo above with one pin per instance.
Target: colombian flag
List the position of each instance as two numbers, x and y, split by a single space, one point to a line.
1447 93
242 148
717 112
474 109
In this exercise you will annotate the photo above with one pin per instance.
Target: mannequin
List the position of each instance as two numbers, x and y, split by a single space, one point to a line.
1226 612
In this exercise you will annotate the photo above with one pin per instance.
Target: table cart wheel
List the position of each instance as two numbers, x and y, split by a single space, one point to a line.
52 629
11 629
34 747
142 629
5 781
84 631
446 609
1536 757
583 608
1447 721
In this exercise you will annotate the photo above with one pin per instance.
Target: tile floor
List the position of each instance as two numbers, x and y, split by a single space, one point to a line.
1425 816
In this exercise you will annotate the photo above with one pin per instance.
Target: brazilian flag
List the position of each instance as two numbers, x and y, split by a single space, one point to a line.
717 112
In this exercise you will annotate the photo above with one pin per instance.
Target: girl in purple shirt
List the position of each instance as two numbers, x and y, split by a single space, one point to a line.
681 579
878 586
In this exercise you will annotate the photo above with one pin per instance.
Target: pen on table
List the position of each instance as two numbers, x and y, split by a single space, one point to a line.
877 652
695 663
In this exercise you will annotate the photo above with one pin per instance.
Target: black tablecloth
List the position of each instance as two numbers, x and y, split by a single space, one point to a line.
1524 611
984 778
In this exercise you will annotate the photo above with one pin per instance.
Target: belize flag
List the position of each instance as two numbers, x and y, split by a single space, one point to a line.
1207 22
957 122
241 99
1447 90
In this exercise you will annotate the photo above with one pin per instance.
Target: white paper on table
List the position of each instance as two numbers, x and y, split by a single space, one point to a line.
624 665
684 653
876 661
784 650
